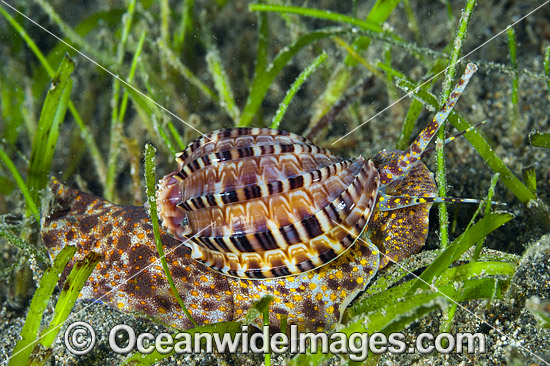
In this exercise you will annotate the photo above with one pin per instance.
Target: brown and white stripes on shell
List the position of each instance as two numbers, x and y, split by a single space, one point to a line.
261 203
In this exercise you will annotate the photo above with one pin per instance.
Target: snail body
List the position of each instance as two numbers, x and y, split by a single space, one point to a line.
259 212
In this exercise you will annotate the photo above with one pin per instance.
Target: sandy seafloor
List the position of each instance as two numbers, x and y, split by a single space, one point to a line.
487 97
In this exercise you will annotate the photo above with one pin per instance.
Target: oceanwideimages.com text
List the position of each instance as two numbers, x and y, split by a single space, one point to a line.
80 339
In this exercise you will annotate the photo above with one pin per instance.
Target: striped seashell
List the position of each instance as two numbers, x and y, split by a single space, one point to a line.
262 203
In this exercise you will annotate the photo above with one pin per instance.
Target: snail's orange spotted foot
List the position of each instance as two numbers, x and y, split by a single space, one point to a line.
402 232
130 278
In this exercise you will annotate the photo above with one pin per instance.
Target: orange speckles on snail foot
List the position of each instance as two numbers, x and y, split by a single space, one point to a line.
304 298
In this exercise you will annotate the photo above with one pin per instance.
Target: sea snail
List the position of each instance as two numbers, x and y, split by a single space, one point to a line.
259 211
